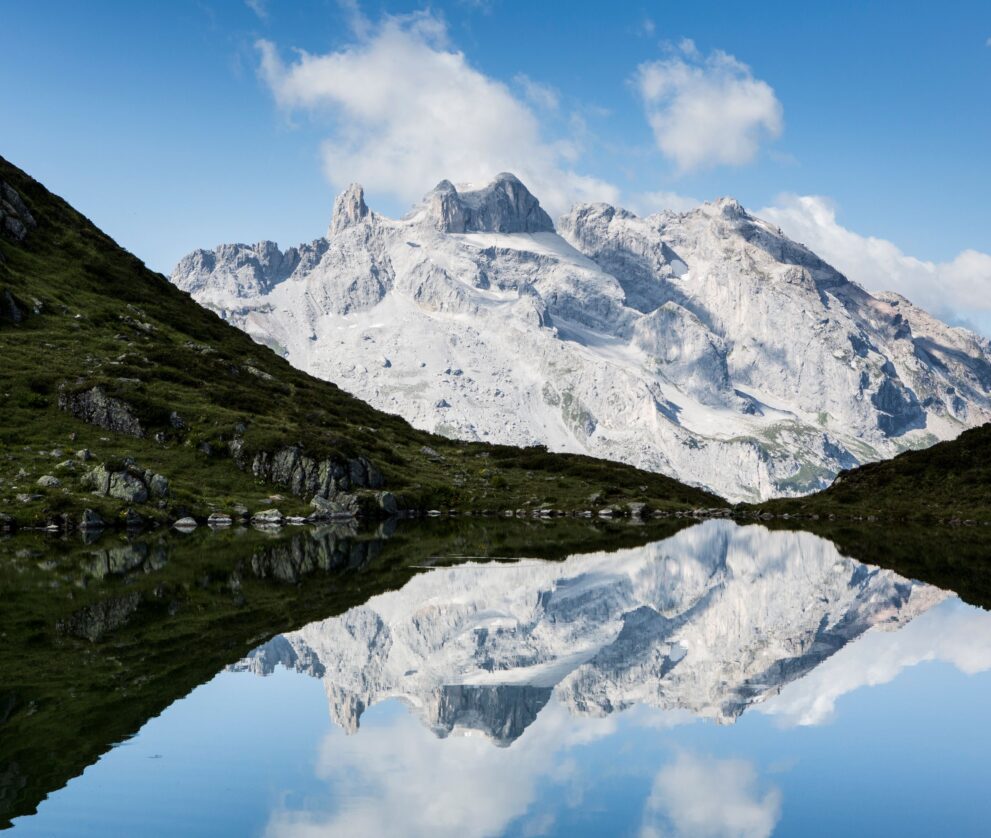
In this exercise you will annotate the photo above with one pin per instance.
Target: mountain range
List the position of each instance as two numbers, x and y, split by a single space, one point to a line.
705 345
710 621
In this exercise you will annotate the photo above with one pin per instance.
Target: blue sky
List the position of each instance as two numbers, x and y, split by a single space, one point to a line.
183 125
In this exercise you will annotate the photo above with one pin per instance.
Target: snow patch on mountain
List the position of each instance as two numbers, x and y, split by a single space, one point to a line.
704 344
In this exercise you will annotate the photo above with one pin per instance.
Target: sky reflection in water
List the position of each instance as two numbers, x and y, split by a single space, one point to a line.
727 681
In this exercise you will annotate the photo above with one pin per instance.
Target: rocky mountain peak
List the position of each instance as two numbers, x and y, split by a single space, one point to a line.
728 208
349 209
503 206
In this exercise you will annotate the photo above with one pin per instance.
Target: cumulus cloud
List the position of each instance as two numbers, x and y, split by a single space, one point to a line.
957 291
952 632
707 110
710 798
410 110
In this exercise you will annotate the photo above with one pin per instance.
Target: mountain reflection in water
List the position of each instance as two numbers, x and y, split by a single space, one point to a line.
705 683
710 621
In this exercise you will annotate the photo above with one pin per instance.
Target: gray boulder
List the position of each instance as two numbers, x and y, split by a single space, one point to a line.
122 485
97 408
48 481
387 503
268 518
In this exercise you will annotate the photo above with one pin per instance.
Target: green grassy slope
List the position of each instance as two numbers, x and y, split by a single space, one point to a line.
91 314
949 482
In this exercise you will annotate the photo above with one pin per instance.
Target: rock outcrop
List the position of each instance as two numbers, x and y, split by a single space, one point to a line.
15 218
97 408
130 483
307 476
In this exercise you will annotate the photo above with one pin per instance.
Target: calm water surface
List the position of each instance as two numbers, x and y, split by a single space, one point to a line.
723 681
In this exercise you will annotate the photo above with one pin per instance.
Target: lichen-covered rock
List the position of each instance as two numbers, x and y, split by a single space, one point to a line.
49 481
97 408
123 485
127 487
305 476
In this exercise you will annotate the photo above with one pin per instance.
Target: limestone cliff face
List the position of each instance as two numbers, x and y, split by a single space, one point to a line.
705 344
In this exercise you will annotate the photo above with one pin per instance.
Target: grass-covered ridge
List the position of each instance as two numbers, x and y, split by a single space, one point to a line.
78 312
949 483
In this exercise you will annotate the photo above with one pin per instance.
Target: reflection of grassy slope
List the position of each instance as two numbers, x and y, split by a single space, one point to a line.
949 480
106 320
64 699
956 559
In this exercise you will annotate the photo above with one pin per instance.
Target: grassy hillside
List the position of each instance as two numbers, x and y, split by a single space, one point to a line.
85 323
950 482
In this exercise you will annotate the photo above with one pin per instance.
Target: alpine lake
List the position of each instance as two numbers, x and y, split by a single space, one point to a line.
482 677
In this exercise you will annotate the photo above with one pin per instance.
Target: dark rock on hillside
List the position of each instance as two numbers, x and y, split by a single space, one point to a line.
15 218
97 408
12 310
306 476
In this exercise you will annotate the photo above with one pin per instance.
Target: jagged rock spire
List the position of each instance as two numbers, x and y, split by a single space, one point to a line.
349 209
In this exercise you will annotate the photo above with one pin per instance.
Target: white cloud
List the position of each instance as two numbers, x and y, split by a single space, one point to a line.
538 94
707 110
958 290
259 7
710 798
410 110
952 632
